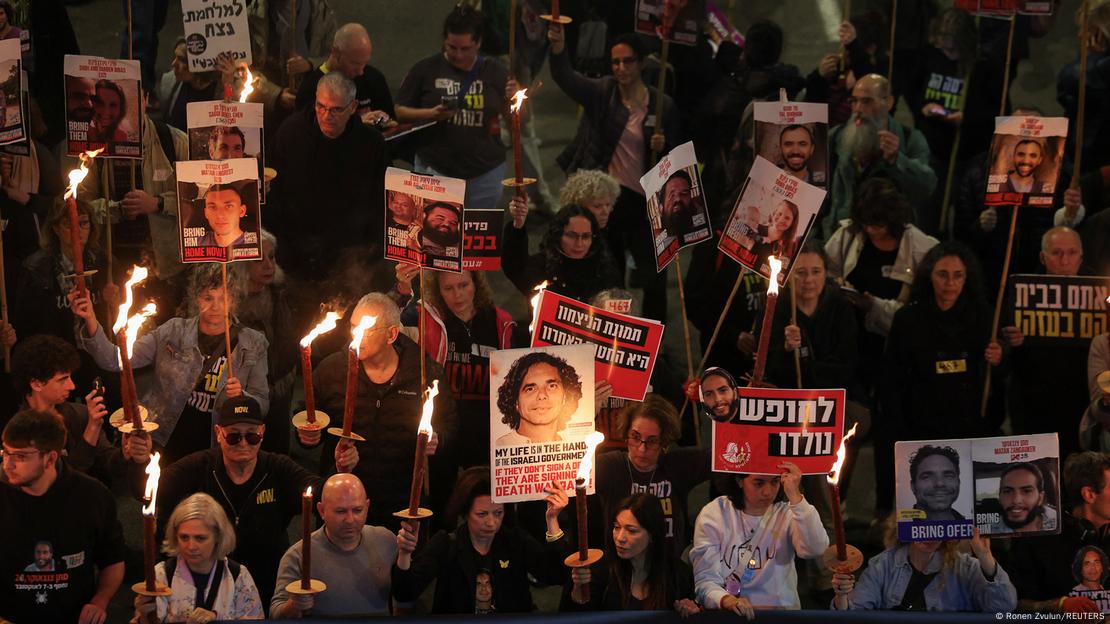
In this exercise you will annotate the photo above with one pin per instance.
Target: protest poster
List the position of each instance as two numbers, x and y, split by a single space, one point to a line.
773 216
624 347
1007 485
675 204
213 28
718 26
104 107
12 126
773 425
1025 158
223 130
217 208
541 410
1059 310
684 16
482 240
794 136
1089 569
424 219
1004 8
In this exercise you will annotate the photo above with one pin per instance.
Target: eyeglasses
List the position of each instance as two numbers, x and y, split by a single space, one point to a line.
574 236
333 111
19 458
628 60
651 444
234 437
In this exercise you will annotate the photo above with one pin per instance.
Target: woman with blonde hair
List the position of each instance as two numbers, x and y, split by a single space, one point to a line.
204 583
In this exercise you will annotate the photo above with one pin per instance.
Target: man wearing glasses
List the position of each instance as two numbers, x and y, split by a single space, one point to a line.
329 192
46 502
260 491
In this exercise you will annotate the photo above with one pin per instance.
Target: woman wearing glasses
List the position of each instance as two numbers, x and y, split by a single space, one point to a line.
650 465
573 257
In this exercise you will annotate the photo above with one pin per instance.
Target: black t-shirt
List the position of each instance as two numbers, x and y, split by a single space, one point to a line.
914 598
466 369
72 531
872 272
468 144
371 91
193 431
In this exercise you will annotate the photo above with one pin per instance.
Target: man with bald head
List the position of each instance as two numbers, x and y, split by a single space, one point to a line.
351 557
351 50
873 143
1049 389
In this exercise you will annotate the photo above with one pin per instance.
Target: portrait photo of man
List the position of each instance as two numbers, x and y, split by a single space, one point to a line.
538 397
80 97
935 481
1027 156
796 146
719 396
224 210
44 558
226 142
440 233
1089 569
1021 495
677 206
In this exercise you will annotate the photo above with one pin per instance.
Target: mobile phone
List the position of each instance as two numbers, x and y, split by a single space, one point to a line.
449 102
98 386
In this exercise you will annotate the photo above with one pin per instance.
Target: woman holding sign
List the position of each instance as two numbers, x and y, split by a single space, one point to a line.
745 542
482 566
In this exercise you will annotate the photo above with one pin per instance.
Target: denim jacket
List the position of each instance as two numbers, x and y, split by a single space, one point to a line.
172 349
963 587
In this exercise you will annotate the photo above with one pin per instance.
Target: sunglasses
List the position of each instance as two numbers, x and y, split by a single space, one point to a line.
234 437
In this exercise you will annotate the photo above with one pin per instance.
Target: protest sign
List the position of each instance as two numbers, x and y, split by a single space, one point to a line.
1059 310
542 409
684 15
215 27
217 208
223 130
104 107
772 425
773 216
625 347
424 219
12 126
795 136
1025 158
1006 485
1004 8
1089 569
482 240
675 204
718 26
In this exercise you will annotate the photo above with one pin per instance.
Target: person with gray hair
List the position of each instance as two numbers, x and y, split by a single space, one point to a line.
351 50
595 191
198 539
190 360
389 398
329 192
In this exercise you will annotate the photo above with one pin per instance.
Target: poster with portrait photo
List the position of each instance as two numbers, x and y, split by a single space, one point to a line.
685 17
1025 158
773 216
1017 485
541 410
1090 568
12 126
794 136
934 490
424 219
104 107
223 130
215 27
675 204
217 210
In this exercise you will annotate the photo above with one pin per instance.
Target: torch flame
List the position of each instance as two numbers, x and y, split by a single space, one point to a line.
76 176
518 100
359 330
308 491
535 303
587 462
776 267
426 415
841 454
151 492
134 323
322 327
138 274
248 85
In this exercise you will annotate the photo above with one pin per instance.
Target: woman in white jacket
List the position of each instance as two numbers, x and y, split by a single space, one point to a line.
745 543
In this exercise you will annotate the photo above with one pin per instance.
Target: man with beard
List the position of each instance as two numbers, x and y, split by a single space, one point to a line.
1021 495
676 208
80 93
872 143
718 394
1028 155
796 147
935 481
439 235
540 393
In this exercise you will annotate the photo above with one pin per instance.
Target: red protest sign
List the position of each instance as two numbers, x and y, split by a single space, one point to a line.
482 240
772 426
625 347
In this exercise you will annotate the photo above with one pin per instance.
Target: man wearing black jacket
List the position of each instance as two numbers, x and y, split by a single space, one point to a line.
259 491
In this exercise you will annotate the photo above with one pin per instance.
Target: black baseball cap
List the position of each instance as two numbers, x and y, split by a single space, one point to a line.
240 409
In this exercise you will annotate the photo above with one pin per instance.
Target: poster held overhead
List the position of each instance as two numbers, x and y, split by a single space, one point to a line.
104 107
224 130
424 219
1025 159
684 17
12 117
215 27
795 136
218 209
675 204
